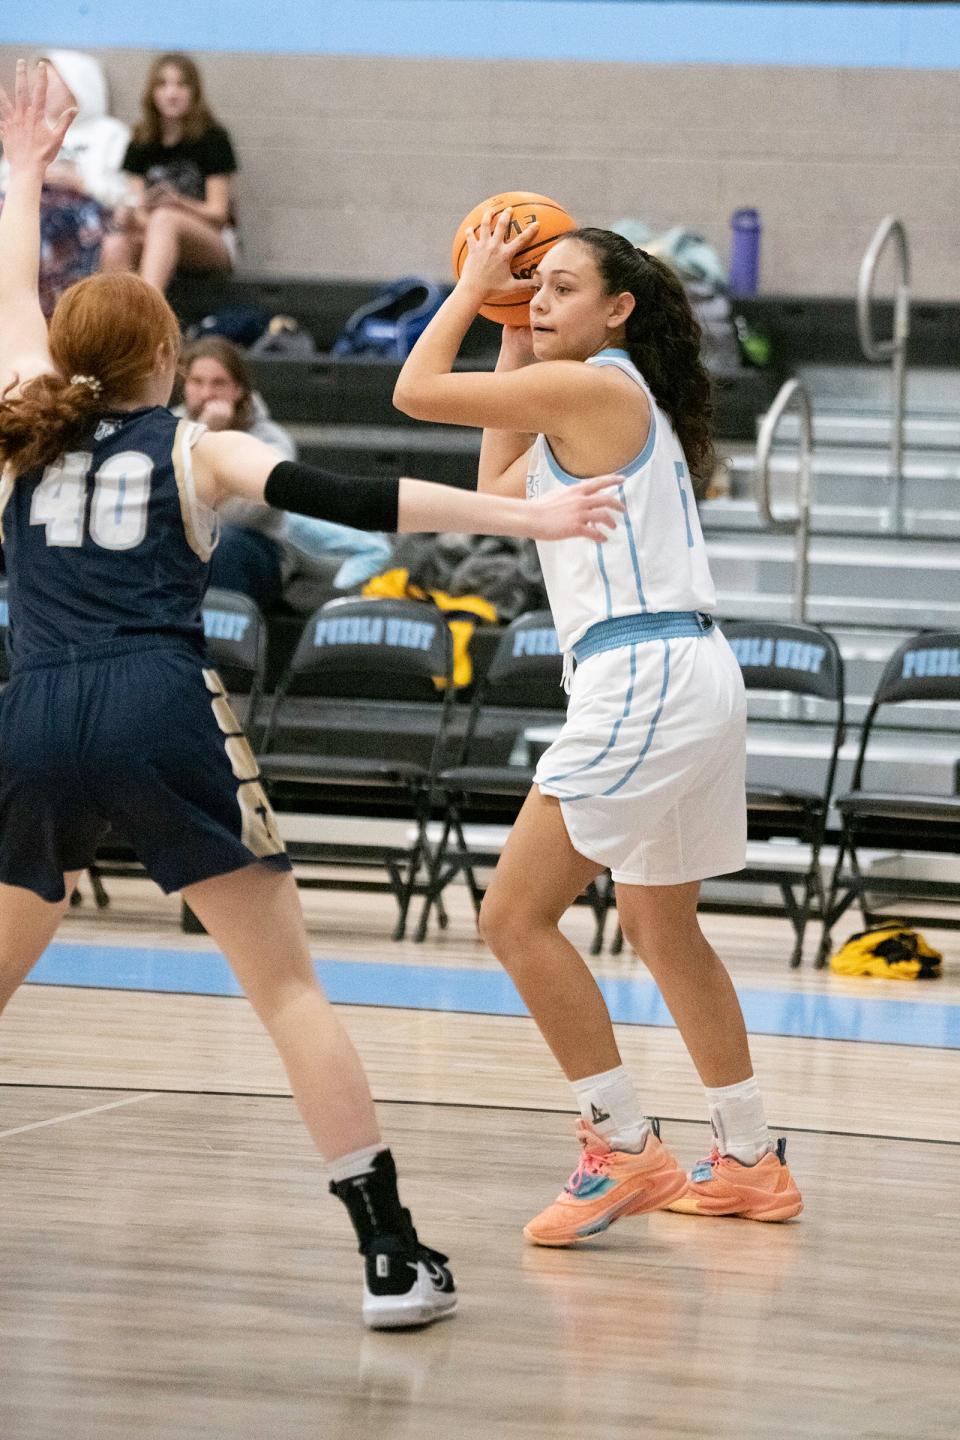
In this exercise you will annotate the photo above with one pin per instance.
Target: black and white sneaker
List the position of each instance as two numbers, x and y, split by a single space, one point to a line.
406 1284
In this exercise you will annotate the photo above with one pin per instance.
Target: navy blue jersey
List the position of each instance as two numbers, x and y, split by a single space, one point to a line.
108 541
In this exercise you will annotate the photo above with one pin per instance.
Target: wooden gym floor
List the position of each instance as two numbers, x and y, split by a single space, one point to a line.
171 1267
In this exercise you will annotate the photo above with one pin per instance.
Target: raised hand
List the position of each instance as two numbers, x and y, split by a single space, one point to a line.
30 140
516 348
588 509
491 250
218 415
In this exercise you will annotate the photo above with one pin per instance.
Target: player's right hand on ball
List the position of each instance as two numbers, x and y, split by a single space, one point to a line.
589 508
491 249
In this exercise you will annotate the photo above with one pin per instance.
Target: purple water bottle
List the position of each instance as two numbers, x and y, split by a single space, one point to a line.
745 251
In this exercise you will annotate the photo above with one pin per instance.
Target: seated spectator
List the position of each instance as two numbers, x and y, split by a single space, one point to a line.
85 182
180 163
263 553
218 390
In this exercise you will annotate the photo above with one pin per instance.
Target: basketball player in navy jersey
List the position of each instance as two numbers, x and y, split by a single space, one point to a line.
108 505
646 778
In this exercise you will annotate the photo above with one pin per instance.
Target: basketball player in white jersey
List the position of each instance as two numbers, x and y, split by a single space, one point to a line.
647 775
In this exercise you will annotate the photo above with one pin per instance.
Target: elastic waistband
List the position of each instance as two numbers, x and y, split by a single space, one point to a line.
102 650
631 629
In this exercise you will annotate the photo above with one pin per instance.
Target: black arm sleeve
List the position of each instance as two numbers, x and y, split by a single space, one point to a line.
367 502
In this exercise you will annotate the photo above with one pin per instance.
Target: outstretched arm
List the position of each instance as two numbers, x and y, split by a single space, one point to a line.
233 464
29 144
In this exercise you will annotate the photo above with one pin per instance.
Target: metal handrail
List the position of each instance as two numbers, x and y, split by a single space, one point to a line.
895 349
793 393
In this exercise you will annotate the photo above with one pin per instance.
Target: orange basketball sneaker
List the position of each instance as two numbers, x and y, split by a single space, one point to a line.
722 1186
605 1185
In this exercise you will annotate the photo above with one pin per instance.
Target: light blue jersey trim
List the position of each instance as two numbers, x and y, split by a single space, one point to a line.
615 358
631 541
556 469
680 470
653 725
606 580
623 630
602 754
619 784
620 360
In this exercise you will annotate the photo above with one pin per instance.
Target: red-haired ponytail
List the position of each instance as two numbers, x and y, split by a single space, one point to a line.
104 338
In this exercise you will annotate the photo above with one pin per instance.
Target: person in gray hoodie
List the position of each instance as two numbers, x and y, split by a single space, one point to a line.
85 182
266 553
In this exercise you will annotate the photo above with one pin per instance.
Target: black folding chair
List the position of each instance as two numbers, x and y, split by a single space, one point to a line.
803 661
360 697
525 674
925 669
235 633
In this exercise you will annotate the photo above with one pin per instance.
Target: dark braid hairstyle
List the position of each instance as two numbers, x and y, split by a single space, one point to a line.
663 341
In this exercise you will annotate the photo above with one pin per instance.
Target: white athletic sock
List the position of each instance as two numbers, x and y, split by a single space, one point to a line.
358 1162
738 1121
609 1104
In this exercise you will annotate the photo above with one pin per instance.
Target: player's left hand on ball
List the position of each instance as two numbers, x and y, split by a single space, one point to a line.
490 251
589 508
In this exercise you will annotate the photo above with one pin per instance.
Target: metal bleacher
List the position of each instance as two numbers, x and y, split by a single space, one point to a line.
882 564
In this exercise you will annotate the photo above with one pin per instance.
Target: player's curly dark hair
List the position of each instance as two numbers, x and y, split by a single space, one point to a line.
663 340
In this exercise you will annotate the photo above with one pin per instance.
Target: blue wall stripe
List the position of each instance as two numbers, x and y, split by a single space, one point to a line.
712 31
490 992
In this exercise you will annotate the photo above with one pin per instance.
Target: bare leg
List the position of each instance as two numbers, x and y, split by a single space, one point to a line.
174 238
27 925
255 917
120 251
538 878
660 922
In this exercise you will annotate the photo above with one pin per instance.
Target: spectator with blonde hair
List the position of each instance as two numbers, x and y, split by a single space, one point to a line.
180 163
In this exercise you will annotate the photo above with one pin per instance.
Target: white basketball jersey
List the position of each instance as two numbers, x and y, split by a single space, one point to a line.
654 560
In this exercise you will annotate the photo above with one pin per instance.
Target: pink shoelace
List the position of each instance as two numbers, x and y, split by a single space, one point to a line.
592 1162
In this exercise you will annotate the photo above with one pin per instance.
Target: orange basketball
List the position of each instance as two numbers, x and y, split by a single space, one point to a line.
527 207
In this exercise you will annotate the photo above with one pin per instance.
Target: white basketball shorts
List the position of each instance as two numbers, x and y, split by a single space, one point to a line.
649 766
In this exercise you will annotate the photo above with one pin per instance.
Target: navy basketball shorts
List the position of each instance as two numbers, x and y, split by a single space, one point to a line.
137 737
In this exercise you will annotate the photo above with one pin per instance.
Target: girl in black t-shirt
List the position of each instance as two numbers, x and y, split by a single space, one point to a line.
180 163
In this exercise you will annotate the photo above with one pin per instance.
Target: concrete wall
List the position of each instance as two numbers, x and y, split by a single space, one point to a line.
361 166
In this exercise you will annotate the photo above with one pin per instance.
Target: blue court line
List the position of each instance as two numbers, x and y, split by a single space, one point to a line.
490 992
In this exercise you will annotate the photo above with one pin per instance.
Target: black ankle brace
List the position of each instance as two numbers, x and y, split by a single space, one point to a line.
374 1206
